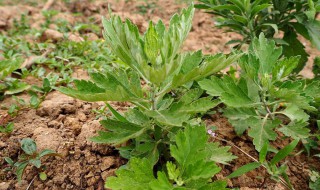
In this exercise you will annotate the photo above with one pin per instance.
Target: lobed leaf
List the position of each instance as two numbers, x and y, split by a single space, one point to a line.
263 132
118 132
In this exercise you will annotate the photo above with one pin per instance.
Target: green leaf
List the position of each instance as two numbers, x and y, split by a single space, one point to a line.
213 87
296 102
34 101
296 130
219 154
135 116
267 53
28 146
314 185
21 166
46 152
284 152
263 152
162 183
9 161
313 90
17 88
191 155
221 185
8 66
242 118
158 46
294 48
295 113
273 26
35 162
263 132
239 4
313 28
181 111
244 169
116 114
285 67
118 132
43 176
232 94
188 150
174 173
208 66
8 128
233 8
46 85
152 45
191 61
146 148
136 175
115 86
168 117
256 9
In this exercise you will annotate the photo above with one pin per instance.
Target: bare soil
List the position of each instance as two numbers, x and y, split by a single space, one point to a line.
65 125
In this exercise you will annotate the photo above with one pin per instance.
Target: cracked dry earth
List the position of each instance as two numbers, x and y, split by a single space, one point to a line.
65 125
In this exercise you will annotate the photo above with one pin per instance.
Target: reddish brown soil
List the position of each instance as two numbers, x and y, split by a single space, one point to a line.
65 124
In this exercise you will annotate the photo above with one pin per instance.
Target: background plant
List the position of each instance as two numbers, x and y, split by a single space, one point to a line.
250 18
265 97
8 128
30 157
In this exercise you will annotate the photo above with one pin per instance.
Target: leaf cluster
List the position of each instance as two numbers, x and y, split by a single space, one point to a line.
264 99
155 59
159 82
192 166
30 157
250 18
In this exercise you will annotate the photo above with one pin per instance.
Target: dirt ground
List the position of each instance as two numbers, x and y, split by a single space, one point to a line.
64 124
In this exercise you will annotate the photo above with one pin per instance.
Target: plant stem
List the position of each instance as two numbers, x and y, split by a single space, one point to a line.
153 98
254 159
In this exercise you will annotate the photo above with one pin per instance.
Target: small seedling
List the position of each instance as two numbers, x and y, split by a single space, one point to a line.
266 97
30 157
7 129
277 173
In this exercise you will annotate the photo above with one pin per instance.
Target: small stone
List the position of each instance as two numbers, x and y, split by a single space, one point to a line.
75 38
73 123
107 162
91 36
82 116
59 179
90 188
91 181
54 124
68 109
2 144
4 185
22 185
90 174
53 35
87 109
108 173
